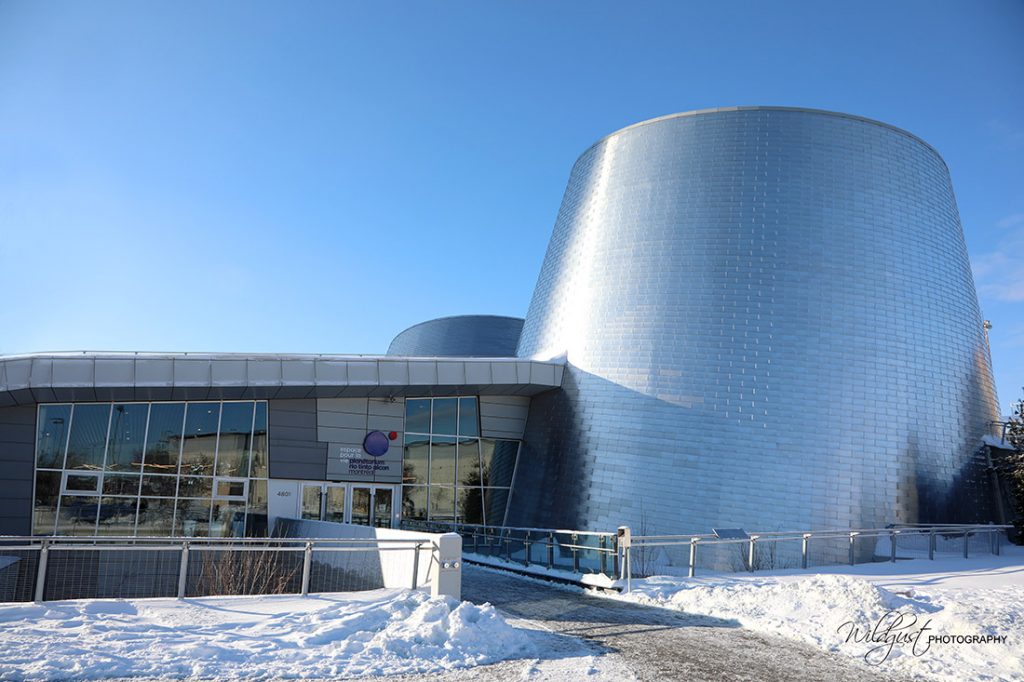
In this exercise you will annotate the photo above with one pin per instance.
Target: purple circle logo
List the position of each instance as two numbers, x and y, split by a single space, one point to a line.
376 443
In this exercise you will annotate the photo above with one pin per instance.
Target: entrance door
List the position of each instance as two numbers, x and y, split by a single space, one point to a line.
334 503
372 505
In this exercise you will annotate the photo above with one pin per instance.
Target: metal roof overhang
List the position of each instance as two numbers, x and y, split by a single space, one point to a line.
105 376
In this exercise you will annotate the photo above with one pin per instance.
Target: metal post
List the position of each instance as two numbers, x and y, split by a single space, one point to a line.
476 540
508 547
604 556
998 541
183 570
44 552
551 550
693 556
931 543
966 534
575 553
615 555
853 540
416 565
803 549
751 553
526 544
629 570
892 546
307 564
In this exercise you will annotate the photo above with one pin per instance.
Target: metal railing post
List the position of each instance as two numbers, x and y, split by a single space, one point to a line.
183 570
629 570
604 557
892 546
307 565
508 546
751 553
526 544
803 549
931 543
416 564
551 550
997 541
966 535
44 553
853 552
615 555
693 556
575 553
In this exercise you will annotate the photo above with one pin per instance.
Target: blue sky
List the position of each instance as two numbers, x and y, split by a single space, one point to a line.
317 176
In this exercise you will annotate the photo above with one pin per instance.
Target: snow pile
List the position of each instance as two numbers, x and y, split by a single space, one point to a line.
384 632
842 613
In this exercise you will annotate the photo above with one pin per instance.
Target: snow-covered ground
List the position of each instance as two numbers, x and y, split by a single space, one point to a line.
383 632
884 613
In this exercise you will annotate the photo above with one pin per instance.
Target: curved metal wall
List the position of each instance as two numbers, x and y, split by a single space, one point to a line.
470 336
770 322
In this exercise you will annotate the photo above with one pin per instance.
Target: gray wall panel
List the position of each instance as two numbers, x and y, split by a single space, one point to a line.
17 468
294 450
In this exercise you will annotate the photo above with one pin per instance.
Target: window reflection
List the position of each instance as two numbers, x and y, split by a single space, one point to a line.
88 438
259 442
443 421
52 435
200 438
163 442
235 439
127 435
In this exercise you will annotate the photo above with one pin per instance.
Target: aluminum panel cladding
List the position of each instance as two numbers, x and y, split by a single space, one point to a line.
769 321
469 336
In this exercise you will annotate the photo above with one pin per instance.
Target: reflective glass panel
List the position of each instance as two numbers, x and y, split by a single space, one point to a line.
335 504
442 503
414 502
417 458
442 460
52 435
163 441
417 416
200 438
81 483
495 501
47 491
469 462
227 488
88 437
361 506
195 486
382 507
311 502
444 415
469 424
155 517
259 442
469 505
117 516
256 520
77 515
192 518
503 464
159 486
235 439
121 484
228 519
127 433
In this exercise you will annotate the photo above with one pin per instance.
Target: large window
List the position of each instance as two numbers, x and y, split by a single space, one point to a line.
450 473
187 468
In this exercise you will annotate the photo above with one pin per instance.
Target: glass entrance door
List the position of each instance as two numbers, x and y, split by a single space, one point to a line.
372 505
334 503
361 505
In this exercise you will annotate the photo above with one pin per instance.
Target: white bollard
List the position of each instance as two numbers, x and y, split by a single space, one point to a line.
446 568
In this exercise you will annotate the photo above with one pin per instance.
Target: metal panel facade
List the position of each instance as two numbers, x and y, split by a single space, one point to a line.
480 336
769 321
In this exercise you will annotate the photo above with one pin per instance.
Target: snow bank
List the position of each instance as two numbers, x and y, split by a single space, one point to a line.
384 632
835 611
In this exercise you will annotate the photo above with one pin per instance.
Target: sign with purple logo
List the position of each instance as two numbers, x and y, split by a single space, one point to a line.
376 443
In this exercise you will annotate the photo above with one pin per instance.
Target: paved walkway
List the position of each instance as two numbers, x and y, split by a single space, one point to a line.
597 638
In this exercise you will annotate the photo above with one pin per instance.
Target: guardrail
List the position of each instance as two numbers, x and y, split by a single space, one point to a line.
634 546
35 568
574 551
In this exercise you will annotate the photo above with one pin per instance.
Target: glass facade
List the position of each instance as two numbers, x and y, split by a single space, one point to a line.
183 468
450 473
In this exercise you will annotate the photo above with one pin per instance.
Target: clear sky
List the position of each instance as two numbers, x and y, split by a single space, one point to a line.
317 176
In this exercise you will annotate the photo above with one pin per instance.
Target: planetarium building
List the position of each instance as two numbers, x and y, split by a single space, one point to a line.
754 317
